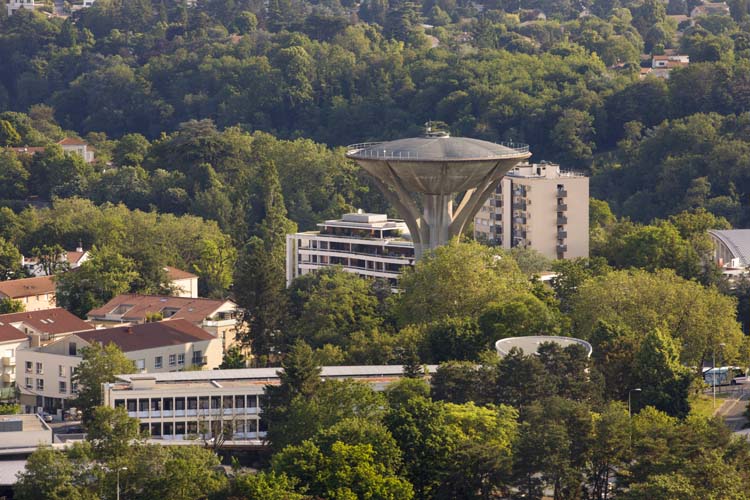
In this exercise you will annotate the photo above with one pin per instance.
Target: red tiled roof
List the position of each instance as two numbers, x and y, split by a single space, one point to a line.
53 321
27 287
74 257
9 334
70 141
148 335
177 274
194 310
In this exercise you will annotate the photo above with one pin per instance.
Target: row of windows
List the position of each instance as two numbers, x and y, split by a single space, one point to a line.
228 427
62 370
62 386
174 360
188 403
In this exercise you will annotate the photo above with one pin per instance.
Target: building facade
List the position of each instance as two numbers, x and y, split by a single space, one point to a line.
204 405
35 294
45 373
366 244
217 317
538 206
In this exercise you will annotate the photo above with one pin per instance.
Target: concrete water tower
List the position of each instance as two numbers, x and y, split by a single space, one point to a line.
423 176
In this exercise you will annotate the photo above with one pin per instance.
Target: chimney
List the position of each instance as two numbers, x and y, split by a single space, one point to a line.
79 248
34 341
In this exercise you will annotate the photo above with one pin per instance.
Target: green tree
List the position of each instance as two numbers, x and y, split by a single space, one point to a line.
8 305
48 474
233 358
518 316
13 177
52 258
110 430
9 136
659 372
10 261
105 275
573 136
259 278
264 486
457 279
99 365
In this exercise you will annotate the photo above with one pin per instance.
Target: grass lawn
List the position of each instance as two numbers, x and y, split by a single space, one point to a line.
703 404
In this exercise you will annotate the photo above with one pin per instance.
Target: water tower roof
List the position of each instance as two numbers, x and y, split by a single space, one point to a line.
437 149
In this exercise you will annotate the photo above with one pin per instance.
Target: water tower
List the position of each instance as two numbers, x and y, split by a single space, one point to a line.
423 176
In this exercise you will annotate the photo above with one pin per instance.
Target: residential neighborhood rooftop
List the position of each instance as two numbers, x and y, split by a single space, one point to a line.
134 307
178 274
52 321
27 287
147 335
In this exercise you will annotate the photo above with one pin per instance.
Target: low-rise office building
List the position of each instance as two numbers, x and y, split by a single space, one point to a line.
26 431
370 245
203 405
217 317
538 206
45 373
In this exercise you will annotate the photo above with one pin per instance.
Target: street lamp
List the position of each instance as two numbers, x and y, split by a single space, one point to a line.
630 392
713 372
118 480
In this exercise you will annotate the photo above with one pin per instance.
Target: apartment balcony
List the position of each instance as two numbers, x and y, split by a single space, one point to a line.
9 361
519 205
562 248
561 207
561 219
519 220
562 193
7 378
562 235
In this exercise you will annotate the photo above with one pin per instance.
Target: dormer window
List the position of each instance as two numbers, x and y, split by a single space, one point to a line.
168 312
122 309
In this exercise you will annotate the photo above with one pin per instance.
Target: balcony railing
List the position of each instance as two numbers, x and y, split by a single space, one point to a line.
562 220
561 207
562 193
562 234
562 248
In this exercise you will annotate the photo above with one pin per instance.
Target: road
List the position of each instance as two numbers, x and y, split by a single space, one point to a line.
733 410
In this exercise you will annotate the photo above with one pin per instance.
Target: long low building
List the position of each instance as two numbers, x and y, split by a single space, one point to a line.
202 405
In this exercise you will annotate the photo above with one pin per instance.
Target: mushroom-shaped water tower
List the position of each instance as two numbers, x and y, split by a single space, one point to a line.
431 172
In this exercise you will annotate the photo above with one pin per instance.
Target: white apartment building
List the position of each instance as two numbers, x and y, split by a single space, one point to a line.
14 5
538 206
45 373
365 244
11 339
202 405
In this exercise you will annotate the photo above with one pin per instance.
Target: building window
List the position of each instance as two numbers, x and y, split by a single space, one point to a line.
39 369
63 387
198 358
29 367
157 362
61 371
74 387
140 364
180 359
172 360
40 384
72 349
29 383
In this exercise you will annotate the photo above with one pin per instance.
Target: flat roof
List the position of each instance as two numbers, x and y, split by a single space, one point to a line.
250 374
437 148
531 344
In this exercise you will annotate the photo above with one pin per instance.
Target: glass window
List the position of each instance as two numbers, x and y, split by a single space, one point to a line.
61 371
72 349
198 357
74 387
39 369
29 367
119 403
140 364
179 404
29 383
156 404
239 401
63 387
192 427
168 428
180 359
215 402
168 404
132 405
40 384
172 360
192 403
143 405
157 362
179 428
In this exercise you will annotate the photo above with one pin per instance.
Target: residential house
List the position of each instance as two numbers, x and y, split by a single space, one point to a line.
74 259
710 9
218 317
68 145
662 65
21 330
185 284
35 293
46 372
